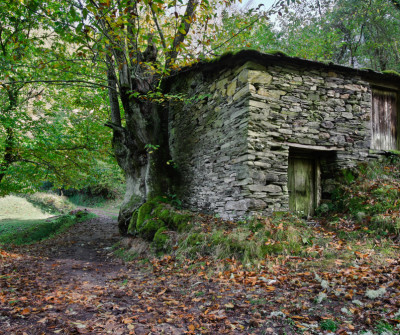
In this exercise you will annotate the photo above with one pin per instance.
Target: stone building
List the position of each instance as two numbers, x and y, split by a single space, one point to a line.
260 133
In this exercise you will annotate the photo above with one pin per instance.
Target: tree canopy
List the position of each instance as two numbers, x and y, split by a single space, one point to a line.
51 121
356 33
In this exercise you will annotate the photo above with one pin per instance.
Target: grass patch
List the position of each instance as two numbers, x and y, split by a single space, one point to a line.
50 202
20 232
18 208
328 324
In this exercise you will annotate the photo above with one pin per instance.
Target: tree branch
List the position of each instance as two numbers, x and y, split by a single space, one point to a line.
112 93
56 82
180 36
160 32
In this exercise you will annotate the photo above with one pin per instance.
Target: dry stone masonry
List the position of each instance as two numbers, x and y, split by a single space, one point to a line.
247 115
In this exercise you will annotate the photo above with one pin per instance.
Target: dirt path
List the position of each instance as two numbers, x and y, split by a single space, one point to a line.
72 284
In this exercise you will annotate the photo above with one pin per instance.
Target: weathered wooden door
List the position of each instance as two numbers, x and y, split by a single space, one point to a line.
384 120
303 185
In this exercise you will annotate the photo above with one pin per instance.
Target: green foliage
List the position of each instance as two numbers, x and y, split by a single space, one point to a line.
328 324
47 132
30 231
368 196
382 327
151 147
246 29
348 176
362 34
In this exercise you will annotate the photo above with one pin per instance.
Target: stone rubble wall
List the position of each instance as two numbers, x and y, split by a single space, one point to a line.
208 141
231 139
299 107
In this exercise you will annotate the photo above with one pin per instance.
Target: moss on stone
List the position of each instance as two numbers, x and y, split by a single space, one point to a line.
150 227
367 69
276 53
144 214
391 72
133 222
155 214
162 212
160 241
173 219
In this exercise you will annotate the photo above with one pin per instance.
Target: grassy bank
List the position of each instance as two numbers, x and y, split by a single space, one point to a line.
31 218
362 219
18 232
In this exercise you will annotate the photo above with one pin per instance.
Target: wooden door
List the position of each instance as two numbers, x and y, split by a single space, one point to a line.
384 120
303 185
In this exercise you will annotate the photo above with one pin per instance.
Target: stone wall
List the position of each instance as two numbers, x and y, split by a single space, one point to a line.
231 139
301 108
208 141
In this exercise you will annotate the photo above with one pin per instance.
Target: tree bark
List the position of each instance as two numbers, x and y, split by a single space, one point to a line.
131 75
146 171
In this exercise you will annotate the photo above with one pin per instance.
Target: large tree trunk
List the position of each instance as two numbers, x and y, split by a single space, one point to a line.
146 170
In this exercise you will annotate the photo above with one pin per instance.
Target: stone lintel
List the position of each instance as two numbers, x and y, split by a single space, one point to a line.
313 147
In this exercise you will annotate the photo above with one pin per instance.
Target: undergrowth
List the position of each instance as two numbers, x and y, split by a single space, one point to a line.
363 215
85 200
368 200
248 241
189 236
18 232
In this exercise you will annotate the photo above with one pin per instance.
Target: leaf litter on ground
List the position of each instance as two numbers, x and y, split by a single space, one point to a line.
72 285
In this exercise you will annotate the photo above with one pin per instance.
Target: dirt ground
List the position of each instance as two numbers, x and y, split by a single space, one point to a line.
72 284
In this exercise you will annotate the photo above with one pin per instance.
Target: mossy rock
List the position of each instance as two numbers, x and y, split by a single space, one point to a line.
160 241
173 219
154 214
132 224
150 227
145 213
